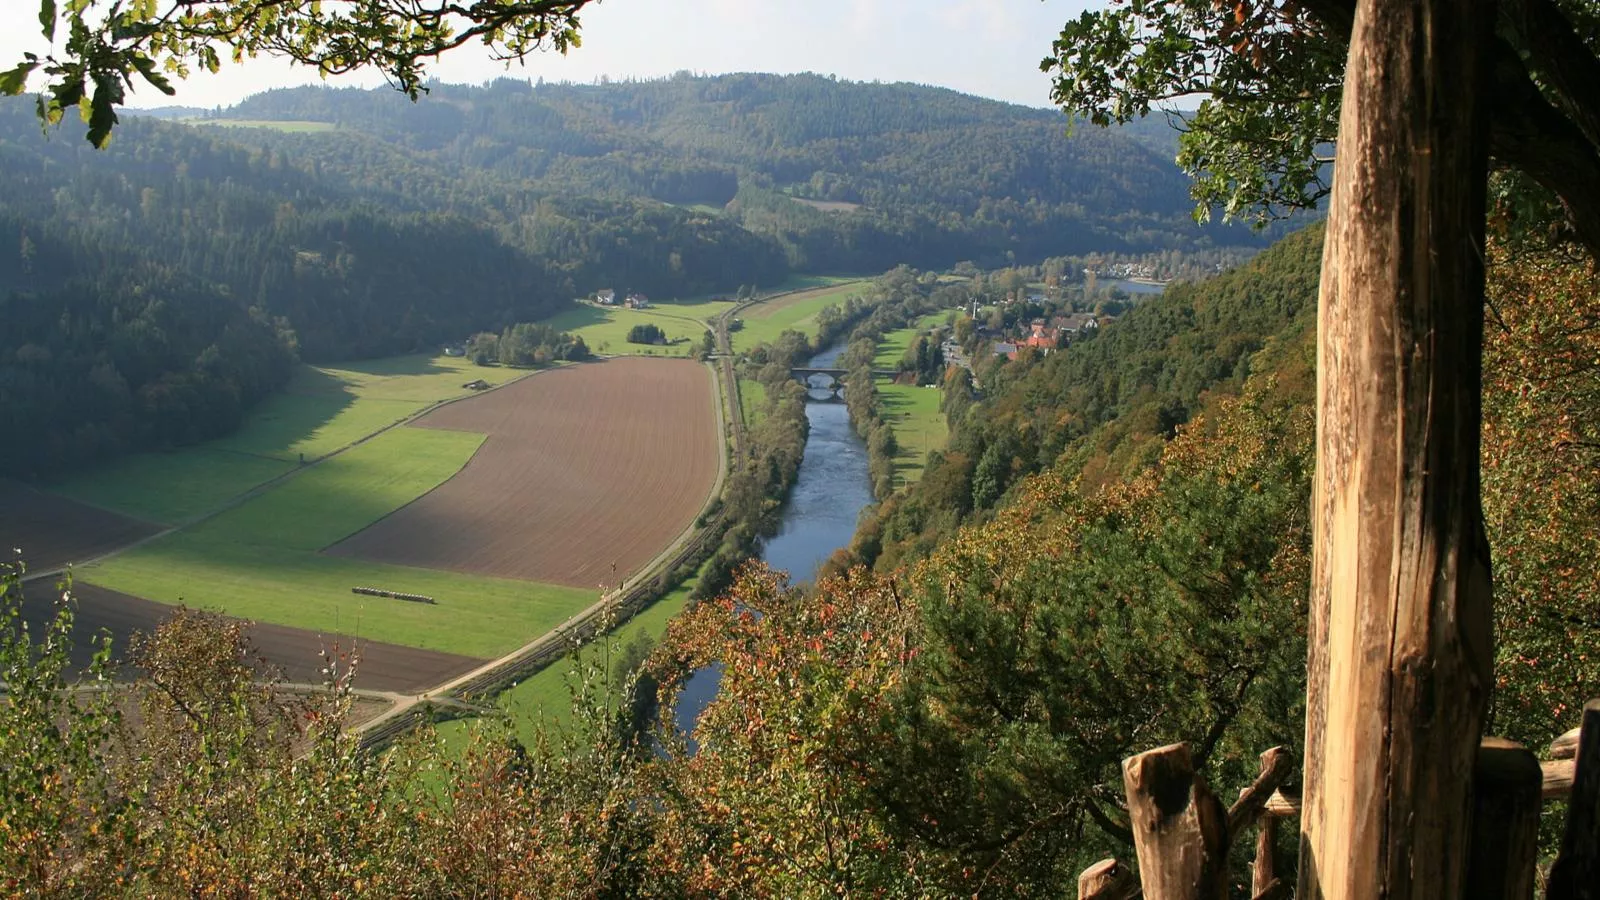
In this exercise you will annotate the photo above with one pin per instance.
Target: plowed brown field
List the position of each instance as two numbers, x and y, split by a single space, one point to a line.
52 531
588 473
294 652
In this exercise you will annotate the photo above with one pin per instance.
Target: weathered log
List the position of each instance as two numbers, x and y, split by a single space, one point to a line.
1505 822
1180 829
1264 870
1283 806
1107 880
1276 765
1400 649
1557 778
1575 875
1565 746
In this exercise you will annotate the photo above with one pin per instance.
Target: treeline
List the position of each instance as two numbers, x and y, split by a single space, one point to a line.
526 344
774 446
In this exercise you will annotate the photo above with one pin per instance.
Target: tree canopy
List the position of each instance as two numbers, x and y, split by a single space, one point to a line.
98 49
1271 71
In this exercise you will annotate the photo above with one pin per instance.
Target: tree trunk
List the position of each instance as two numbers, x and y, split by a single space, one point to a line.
1400 660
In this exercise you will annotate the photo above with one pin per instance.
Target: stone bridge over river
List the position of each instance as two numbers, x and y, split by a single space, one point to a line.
831 380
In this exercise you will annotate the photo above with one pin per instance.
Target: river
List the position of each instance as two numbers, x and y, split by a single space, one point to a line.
819 517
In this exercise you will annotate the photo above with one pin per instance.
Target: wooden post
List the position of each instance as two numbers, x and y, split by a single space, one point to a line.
1180 829
1264 870
1400 651
1107 880
1575 875
1505 822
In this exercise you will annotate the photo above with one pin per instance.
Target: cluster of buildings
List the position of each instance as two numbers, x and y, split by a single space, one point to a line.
1045 336
608 297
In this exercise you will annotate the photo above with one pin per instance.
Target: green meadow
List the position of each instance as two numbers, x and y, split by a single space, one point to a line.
919 426
752 400
797 312
892 348
260 560
546 696
321 410
605 328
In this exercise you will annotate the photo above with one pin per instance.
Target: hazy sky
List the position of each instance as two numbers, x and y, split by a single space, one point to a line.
986 47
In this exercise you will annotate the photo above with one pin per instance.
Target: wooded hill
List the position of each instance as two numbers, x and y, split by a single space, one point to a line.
904 173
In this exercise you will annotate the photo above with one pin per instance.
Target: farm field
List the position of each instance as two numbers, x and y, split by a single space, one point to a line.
798 312
919 426
545 697
292 651
52 531
321 410
588 473
605 329
261 560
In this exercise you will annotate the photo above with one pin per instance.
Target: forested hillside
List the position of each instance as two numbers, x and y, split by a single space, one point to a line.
901 173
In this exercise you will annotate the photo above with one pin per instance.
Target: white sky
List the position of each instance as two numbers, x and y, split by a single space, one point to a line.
987 47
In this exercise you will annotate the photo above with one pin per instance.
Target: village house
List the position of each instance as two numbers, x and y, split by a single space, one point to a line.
1006 349
1041 335
1076 324
637 301
607 297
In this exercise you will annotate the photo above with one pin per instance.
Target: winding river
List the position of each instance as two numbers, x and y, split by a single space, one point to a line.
818 518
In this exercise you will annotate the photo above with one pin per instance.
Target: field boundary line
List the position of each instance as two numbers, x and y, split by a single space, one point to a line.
296 470
626 600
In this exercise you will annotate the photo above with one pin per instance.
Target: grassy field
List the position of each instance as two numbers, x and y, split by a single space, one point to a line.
321 410
798 312
605 328
752 400
913 413
895 344
546 697
260 560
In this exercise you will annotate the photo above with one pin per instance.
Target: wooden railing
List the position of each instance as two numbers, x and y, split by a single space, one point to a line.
1183 834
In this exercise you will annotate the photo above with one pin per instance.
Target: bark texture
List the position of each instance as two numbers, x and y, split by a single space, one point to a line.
1401 652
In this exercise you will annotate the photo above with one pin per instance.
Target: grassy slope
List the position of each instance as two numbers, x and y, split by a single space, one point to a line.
260 560
322 410
798 312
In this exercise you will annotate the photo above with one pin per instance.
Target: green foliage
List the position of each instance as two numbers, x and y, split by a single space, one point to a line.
646 333
526 344
102 49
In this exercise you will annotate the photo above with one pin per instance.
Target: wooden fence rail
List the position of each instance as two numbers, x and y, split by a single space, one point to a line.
1182 834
